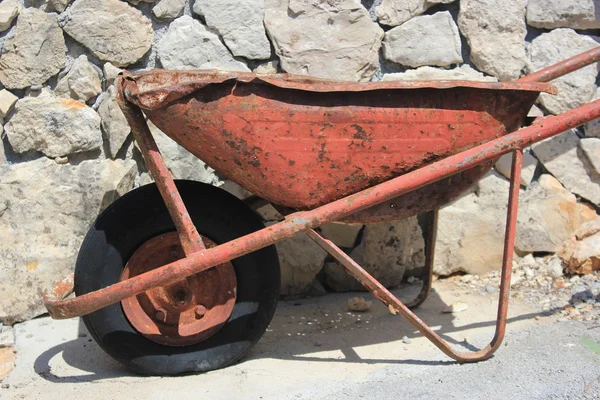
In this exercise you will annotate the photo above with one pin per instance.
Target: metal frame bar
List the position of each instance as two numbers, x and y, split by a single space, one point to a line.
564 67
430 239
397 307
188 235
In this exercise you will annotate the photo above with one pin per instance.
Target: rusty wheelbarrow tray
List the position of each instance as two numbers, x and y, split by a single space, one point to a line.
368 154
299 144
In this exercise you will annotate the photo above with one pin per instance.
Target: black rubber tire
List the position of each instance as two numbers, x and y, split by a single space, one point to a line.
141 215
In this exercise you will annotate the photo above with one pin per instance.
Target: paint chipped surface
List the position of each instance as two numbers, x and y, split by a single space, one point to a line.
301 143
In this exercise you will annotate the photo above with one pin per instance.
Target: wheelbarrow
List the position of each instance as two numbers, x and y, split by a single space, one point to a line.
179 276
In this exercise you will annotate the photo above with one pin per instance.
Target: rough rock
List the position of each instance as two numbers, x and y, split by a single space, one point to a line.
359 304
7 336
586 256
471 229
561 156
300 259
343 235
504 166
117 33
54 126
58 5
136 2
81 82
581 253
548 215
332 40
54 204
35 53
588 229
592 128
168 9
110 73
2 154
9 9
535 112
7 361
396 12
574 89
553 266
464 72
424 40
269 213
543 285
576 14
240 24
181 163
7 101
114 124
591 148
516 278
496 35
385 251
188 44
270 67
237 191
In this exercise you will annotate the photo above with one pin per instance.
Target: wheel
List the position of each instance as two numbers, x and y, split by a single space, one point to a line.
199 324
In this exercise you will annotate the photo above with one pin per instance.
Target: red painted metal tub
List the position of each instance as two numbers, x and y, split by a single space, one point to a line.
301 143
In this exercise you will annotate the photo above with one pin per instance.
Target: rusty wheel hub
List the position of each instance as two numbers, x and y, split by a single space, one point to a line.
186 312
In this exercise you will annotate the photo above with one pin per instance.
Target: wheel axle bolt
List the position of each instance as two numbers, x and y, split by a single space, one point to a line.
161 315
200 311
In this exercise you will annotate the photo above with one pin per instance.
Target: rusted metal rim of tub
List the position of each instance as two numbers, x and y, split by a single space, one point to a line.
158 88
186 312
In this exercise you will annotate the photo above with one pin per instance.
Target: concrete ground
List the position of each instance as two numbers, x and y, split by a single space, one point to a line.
316 349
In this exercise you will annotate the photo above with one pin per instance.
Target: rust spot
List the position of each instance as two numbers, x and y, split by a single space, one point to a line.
186 312
242 147
361 134
322 152
32 266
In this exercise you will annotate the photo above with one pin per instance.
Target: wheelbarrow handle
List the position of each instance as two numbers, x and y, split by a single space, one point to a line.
564 67
58 293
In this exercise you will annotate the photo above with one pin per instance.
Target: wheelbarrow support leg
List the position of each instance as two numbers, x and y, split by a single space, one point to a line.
188 235
397 307
430 238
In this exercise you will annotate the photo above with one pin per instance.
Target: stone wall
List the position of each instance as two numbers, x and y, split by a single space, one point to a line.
66 150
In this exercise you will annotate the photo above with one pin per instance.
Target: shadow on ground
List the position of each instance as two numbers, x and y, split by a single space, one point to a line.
316 329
